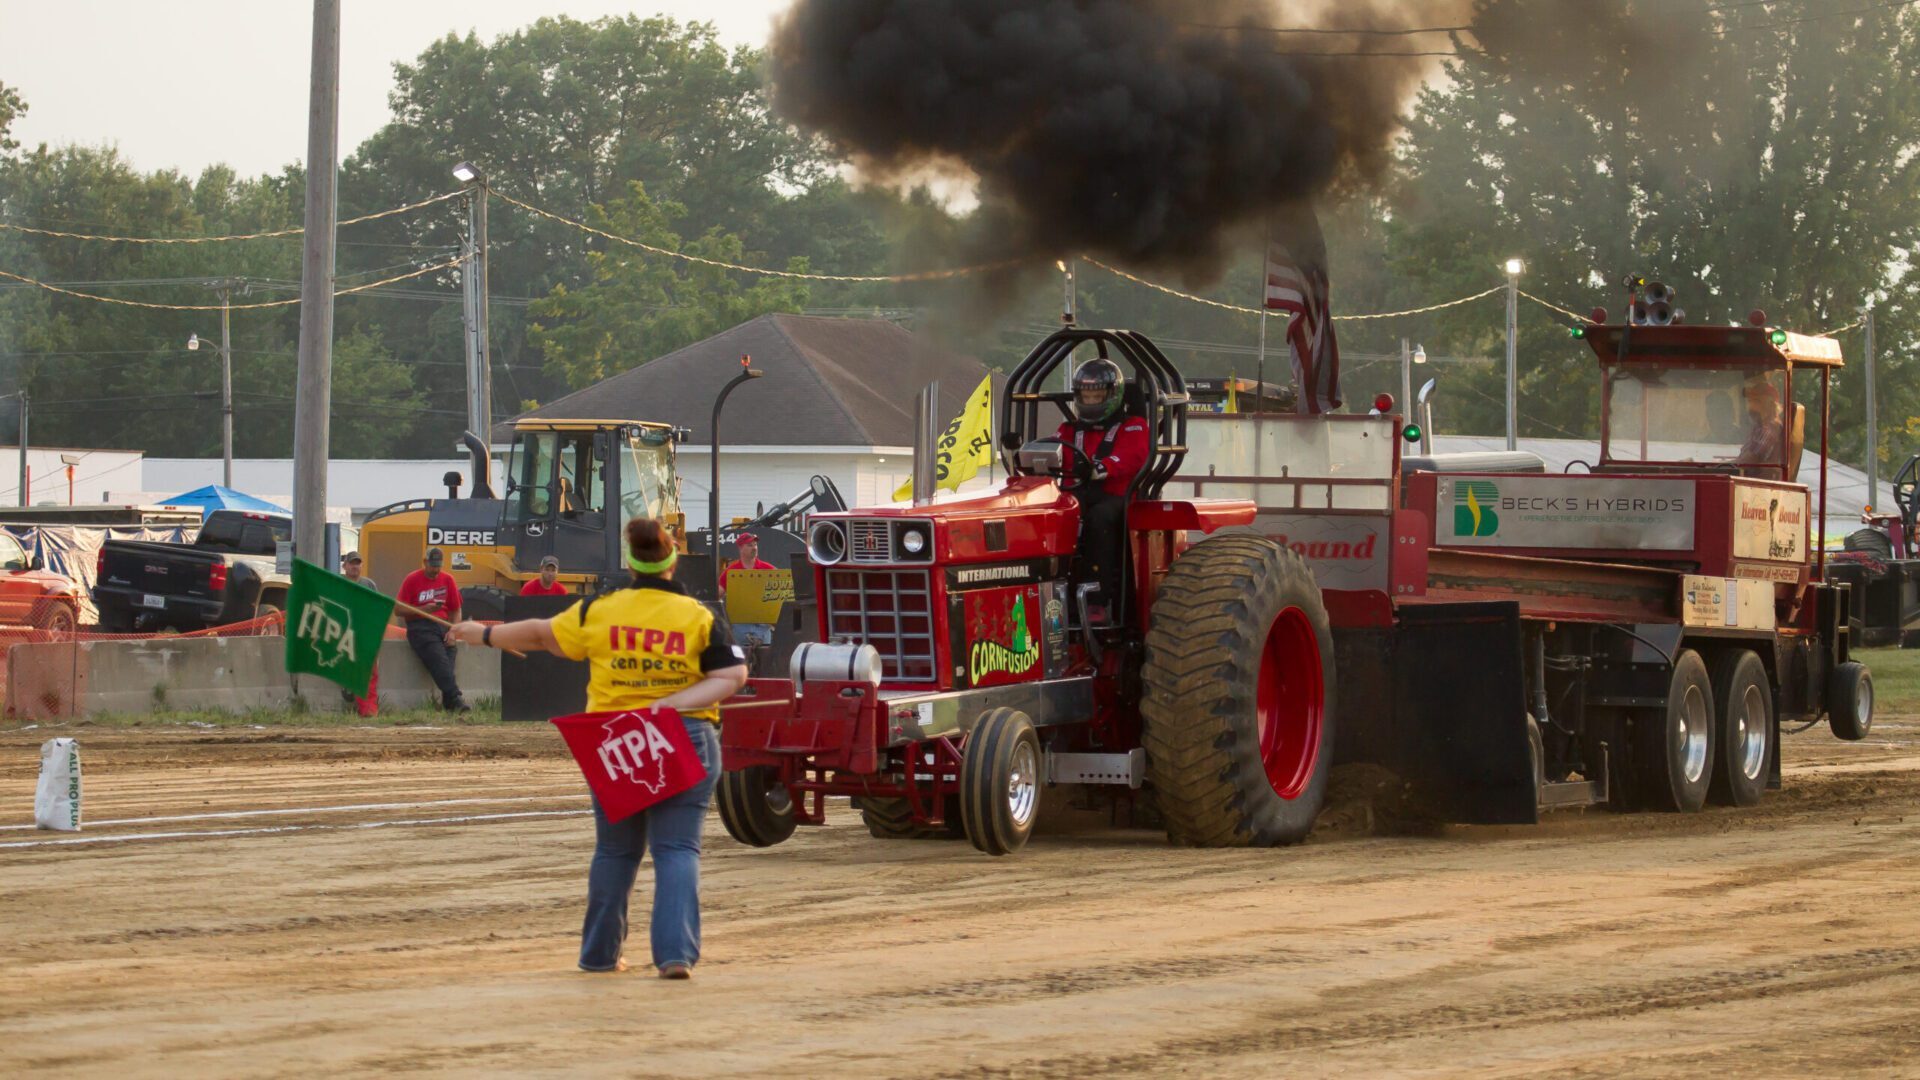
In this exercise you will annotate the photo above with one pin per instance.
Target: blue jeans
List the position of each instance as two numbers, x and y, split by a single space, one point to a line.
672 828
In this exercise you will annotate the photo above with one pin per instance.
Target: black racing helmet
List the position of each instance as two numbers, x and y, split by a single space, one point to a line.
1099 391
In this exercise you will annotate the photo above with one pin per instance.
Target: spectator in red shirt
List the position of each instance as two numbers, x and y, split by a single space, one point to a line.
748 545
432 591
1109 450
548 583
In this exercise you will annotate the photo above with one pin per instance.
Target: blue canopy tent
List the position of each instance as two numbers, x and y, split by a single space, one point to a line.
214 497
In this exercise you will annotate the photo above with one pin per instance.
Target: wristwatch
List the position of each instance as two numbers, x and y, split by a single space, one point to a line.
486 636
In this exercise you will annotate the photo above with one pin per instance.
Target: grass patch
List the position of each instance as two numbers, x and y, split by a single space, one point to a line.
1896 678
485 713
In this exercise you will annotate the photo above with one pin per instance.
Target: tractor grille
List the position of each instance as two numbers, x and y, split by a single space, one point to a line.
868 542
891 610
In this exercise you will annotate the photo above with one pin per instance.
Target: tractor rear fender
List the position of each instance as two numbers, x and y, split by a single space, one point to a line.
1199 515
1460 702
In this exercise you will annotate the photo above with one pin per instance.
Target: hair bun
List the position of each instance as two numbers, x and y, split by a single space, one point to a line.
647 540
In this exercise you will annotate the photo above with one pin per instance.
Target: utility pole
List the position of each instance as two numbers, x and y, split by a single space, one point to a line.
1873 422
226 383
314 392
1514 266
474 281
26 473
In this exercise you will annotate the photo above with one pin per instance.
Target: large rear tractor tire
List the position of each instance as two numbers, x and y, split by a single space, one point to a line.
1743 697
1000 781
1673 748
892 819
1850 701
1239 695
755 806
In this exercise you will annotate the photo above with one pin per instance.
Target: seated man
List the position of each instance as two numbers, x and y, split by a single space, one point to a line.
1762 446
1117 445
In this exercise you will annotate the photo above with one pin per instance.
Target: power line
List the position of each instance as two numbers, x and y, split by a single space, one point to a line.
293 231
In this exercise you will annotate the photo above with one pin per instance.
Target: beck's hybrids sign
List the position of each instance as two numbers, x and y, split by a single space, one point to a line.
1564 512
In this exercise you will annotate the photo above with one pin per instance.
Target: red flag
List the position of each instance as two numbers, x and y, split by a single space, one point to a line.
632 759
1297 284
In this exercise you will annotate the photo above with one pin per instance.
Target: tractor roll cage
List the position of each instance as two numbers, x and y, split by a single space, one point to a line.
1161 402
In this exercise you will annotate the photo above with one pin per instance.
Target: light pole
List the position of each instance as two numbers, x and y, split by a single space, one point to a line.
1873 420
26 474
1409 356
1514 266
313 390
713 451
225 289
474 280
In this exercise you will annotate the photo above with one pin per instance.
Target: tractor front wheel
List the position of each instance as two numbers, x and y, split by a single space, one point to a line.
1239 695
755 806
1000 781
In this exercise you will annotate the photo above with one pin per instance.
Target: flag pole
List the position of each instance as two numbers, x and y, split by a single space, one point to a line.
432 618
1260 371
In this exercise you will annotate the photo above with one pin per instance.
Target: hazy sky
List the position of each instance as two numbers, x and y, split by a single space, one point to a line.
187 83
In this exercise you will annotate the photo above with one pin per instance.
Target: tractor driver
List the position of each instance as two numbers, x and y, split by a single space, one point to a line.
1112 448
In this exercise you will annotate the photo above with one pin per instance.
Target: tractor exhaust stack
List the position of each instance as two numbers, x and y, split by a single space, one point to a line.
926 418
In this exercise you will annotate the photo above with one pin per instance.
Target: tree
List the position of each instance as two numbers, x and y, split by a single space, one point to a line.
637 306
1748 159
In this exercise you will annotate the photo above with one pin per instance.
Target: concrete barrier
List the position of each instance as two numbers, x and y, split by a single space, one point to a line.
70 679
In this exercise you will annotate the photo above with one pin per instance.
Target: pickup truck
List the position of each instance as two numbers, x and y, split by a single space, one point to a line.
225 576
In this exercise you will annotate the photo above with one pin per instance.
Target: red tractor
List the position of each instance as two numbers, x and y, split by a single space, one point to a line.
1507 640
960 672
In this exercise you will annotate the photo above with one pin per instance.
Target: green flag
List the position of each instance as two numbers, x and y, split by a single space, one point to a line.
334 627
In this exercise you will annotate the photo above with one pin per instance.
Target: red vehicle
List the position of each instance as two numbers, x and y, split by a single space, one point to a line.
31 596
1509 641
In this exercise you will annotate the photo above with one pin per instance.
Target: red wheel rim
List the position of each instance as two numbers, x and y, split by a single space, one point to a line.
1290 703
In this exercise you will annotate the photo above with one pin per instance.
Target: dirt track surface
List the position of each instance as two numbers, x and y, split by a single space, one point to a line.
386 937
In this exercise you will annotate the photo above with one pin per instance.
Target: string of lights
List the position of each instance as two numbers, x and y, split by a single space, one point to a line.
294 231
290 301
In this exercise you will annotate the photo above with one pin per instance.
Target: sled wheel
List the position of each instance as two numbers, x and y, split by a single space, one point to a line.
892 819
1000 781
1850 701
755 806
1238 702
1674 747
1743 697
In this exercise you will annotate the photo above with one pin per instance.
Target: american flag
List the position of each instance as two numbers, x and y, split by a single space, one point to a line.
1297 284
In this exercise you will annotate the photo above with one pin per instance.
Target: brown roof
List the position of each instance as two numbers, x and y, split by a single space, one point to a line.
828 382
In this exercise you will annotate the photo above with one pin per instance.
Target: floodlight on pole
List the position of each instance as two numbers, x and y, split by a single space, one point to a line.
473 284
1419 354
466 172
1514 266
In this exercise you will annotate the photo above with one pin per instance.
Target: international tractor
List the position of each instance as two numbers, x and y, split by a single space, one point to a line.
1630 634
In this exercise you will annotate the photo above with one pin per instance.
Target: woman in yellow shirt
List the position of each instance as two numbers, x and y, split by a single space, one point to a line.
648 645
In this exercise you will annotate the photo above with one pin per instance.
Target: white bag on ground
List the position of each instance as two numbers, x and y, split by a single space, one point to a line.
56 803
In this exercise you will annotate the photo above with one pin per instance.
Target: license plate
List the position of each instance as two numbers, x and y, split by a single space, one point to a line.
149 600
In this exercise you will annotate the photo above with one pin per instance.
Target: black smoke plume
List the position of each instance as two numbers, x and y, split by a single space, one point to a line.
1152 132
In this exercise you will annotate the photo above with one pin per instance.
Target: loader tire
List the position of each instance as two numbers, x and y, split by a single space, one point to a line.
1000 781
1743 699
1674 747
892 819
755 806
1238 699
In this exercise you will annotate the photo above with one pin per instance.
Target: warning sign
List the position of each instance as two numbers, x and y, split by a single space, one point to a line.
755 596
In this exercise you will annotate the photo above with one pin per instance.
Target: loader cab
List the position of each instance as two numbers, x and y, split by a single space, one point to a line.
572 486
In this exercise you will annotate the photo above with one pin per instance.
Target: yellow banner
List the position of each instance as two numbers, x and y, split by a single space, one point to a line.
755 596
964 448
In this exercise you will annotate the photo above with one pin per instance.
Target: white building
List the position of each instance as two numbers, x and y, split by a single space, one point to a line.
62 475
836 399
